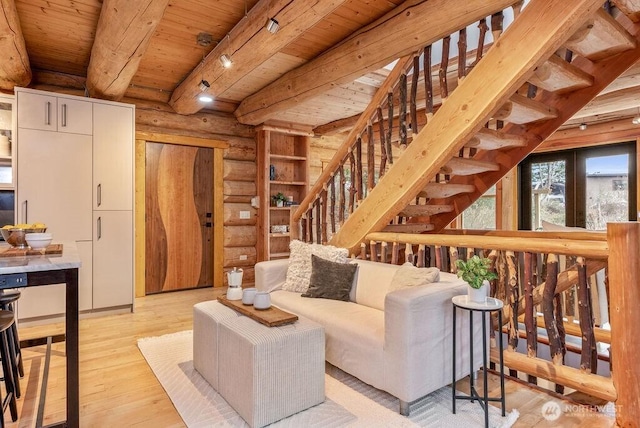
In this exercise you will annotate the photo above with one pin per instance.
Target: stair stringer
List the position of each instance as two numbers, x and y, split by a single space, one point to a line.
538 32
568 104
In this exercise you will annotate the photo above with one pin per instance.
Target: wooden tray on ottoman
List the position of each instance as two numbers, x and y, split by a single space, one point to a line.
271 317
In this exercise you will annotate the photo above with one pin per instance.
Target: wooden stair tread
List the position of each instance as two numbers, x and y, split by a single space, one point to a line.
520 110
465 166
600 38
490 139
631 8
408 228
445 190
557 75
425 210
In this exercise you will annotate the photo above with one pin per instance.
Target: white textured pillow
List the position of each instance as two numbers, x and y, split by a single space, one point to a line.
299 271
408 275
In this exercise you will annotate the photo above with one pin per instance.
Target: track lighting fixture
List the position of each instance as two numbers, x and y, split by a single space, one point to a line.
272 25
225 60
636 120
583 126
204 87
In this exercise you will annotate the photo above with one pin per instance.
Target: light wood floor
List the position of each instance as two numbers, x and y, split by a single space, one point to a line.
118 389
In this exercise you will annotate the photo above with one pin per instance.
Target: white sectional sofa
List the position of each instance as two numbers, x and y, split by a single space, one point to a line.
398 341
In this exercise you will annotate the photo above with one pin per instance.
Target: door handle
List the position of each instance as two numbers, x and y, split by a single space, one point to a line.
99 226
25 204
64 115
47 113
99 194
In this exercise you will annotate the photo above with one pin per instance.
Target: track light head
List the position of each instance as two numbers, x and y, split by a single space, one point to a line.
225 60
583 126
204 85
636 120
272 25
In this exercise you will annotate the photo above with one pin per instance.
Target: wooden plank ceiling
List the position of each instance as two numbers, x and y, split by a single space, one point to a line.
148 50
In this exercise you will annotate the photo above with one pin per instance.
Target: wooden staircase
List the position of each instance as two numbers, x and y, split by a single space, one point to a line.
553 59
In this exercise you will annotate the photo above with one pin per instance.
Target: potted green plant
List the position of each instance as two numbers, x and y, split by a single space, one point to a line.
476 271
278 199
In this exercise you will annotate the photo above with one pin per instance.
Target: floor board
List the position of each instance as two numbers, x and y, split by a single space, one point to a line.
118 389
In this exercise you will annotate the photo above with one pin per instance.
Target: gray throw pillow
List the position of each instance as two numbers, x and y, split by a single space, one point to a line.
330 280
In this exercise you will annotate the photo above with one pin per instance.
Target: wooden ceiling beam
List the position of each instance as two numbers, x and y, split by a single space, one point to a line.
250 44
400 32
599 134
122 37
14 67
611 102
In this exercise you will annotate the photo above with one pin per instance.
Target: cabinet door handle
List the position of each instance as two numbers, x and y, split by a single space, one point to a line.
25 204
99 194
99 225
47 113
64 115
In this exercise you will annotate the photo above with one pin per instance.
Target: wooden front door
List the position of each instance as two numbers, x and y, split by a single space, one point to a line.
179 207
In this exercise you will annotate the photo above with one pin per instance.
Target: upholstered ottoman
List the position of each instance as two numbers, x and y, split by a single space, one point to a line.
269 373
206 317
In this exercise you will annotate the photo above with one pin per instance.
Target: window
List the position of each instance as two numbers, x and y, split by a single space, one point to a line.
482 213
581 187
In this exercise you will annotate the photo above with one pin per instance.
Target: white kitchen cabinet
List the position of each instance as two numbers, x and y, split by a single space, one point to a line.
112 258
51 112
54 182
112 157
59 172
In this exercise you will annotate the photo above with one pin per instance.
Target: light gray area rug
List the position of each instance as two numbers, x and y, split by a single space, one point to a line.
349 402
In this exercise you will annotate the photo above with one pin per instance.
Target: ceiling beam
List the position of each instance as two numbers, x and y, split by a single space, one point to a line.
613 101
599 134
122 37
14 67
250 44
404 30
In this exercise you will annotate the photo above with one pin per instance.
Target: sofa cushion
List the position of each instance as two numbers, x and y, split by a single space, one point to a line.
354 333
372 283
299 271
330 280
408 275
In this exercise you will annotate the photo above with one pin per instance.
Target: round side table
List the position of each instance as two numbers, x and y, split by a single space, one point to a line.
490 305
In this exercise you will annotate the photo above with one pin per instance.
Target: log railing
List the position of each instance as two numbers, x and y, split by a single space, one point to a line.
383 130
546 280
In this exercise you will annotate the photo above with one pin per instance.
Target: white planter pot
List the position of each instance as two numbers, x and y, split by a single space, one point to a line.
479 295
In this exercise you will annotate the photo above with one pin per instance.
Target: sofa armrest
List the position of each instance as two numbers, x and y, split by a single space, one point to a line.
270 275
418 338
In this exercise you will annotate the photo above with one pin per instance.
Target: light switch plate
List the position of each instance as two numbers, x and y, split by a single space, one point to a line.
245 215
243 257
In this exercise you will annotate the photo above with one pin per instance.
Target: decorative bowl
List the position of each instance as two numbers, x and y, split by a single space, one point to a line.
38 241
15 236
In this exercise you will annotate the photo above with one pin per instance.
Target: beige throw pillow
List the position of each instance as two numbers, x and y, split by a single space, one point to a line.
408 275
299 271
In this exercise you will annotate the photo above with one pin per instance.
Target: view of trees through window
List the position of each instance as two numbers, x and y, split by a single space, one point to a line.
482 213
584 187
548 181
